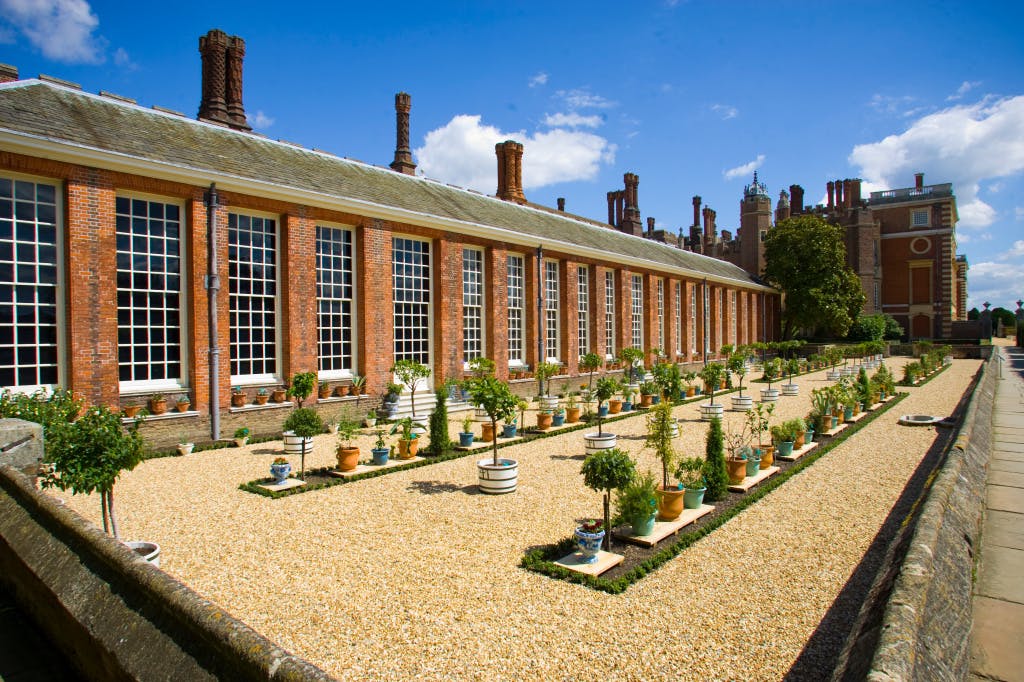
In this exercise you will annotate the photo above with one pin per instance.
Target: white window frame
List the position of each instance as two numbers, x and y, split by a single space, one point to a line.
177 383
637 311
424 357
693 320
473 309
552 326
516 297
263 377
609 314
60 322
720 322
679 319
323 301
733 327
661 316
926 218
583 309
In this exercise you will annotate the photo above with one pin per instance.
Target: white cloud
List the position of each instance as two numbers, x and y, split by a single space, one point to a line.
964 144
261 121
964 88
998 283
122 59
1018 213
61 29
572 120
726 111
462 153
963 238
540 79
891 105
1016 251
582 98
745 169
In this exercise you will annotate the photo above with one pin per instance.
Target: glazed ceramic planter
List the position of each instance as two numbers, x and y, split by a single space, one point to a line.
497 479
150 551
572 415
643 525
465 439
508 431
380 456
785 448
753 465
557 419
736 469
280 472
589 544
693 498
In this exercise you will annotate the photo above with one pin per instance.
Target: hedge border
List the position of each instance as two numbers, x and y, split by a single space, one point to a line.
541 560
928 378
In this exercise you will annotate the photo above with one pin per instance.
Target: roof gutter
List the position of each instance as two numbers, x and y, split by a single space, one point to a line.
34 145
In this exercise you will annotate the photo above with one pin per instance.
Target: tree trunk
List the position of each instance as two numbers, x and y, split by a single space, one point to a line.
607 522
103 506
113 519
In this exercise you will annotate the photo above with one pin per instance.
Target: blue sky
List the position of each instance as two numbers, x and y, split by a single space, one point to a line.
691 96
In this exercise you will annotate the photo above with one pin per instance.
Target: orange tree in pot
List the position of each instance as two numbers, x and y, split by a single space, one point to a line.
605 471
659 438
495 398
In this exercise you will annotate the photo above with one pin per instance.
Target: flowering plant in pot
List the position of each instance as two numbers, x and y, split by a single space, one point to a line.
604 472
279 469
572 409
590 536
637 503
408 443
241 436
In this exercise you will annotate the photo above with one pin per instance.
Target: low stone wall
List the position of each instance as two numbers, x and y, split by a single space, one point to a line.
111 613
927 622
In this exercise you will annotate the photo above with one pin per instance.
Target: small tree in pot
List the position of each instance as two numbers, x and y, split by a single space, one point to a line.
711 375
659 438
606 471
304 422
590 363
633 359
606 388
409 373
302 386
495 398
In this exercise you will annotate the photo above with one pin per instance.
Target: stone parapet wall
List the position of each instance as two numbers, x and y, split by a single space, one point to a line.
926 627
113 615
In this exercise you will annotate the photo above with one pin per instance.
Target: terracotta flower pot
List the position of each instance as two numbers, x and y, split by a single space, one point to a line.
407 448
348 458
279 395
614 406
182 406
343 390
800 441
737 470
670 503
262 398
646 400
691 391
543 421
237 400
324 393
572 415
157 406
767 457
132 411
487 432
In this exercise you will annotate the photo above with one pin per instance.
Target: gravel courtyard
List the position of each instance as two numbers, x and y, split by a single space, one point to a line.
415 574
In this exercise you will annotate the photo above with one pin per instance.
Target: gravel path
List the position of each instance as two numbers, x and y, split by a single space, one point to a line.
414 574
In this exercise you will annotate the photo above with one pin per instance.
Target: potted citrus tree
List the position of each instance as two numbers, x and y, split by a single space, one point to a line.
737 365
347 453
303 423
711 375
771 372
659 438
543 372
792 366
595 442
496 475
604 472
409 374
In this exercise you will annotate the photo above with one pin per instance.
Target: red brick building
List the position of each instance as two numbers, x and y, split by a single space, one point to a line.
142 251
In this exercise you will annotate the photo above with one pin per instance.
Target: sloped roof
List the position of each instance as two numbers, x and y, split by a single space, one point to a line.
66 116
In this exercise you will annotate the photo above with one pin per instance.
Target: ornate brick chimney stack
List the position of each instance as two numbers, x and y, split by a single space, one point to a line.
796 199
510 171
650 227
831 186
918 180
855 192
839 194
403 156
222 80
631 223
847 192
8 73
696 211
561 203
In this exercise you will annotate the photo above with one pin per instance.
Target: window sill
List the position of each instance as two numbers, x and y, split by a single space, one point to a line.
341 399
258 408
161 417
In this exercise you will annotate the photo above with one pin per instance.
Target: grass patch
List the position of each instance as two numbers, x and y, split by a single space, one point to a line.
542 560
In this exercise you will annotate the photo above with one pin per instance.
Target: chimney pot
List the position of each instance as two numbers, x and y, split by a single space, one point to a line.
403 156
918 180
696 210
650 226
222 58
796 199
831 194
510 178
8 73
561 203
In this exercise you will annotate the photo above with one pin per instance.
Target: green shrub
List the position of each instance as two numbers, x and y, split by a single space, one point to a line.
715 473
439 441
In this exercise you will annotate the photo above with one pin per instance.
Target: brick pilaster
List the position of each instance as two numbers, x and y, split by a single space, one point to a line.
496 309
598 327
448 360
650 318
623 311
298 294
92 286
533 327
376 314
568 306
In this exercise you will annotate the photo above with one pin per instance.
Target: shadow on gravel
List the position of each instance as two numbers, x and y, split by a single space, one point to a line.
439 487
578 457
267 451
856 605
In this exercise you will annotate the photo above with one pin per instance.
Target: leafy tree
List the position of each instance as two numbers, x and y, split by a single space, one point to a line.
715 473
590 363
302 386
89 454
1007 317
304 422
805 256
893 329
495 398
605 471
973 313
409 372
